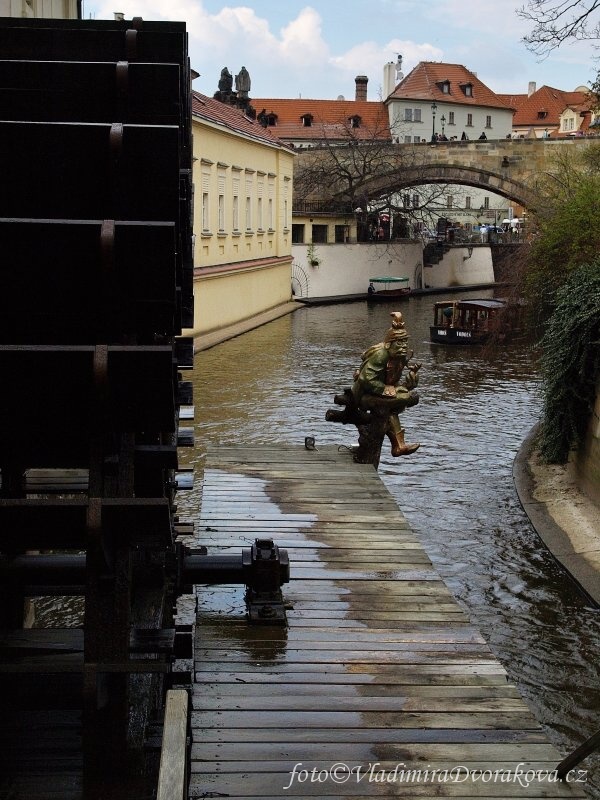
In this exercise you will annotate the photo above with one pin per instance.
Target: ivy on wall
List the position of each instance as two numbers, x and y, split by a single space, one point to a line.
570 362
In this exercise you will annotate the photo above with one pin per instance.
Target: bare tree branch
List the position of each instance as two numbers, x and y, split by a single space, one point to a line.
558 21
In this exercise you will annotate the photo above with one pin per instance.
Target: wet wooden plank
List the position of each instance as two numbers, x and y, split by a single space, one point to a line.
172 771
515 720
379 736
364 752
378 663
273 785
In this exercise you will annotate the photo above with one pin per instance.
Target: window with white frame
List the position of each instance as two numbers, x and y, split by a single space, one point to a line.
407 139
469 120
221 201
235 208
488 121
417 115
486 202
451 118
205 212
260 185
249 193
236 202
221 213
206 198
286 194
248 213
467 202
408 115
270 211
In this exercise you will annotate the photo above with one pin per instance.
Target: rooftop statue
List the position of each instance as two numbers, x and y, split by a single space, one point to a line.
384 385
226 81
242 82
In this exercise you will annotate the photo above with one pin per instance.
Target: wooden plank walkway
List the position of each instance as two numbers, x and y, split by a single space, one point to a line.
378 666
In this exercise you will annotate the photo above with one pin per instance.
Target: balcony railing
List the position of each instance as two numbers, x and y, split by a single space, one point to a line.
321 207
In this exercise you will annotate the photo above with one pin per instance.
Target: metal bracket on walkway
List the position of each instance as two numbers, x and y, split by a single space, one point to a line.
263 569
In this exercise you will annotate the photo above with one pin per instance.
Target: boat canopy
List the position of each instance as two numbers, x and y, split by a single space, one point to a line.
388 279
484 303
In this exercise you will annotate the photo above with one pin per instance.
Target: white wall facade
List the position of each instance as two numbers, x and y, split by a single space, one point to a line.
345 270
457 268
411 121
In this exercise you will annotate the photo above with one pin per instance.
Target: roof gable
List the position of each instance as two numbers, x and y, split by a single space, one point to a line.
545 106
432 80
329 119
232 118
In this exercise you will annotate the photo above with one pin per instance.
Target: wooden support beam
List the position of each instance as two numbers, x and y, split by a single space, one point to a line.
172 779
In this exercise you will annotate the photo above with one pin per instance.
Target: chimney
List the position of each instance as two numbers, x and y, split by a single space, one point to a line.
361 87
119 16
531 88
389 84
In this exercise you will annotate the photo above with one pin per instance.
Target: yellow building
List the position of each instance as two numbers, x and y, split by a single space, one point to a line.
34 9
242 216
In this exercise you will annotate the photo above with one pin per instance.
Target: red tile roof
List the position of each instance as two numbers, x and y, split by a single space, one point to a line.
233 118
546 100
330 118
424 82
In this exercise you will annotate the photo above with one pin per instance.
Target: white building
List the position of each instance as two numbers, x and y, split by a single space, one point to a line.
443 99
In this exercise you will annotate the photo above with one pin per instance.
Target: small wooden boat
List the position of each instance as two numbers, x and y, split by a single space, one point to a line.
387 287
473 321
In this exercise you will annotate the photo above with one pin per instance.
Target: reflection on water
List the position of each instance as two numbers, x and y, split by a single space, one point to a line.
274 384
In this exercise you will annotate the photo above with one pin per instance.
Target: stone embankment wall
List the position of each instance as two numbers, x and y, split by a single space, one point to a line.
587 462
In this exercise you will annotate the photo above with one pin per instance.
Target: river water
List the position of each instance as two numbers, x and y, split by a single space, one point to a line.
275 383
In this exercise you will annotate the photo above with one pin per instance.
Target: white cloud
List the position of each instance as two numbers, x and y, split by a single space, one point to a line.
300 58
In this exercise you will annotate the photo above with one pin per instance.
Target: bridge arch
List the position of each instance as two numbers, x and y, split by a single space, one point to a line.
404 177
507 167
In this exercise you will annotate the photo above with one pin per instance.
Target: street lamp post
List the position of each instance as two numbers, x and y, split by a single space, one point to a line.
433 110
443 121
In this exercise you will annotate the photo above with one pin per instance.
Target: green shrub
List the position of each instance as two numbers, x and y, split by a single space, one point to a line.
570 362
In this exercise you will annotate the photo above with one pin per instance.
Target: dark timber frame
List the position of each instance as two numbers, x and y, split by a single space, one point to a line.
96 285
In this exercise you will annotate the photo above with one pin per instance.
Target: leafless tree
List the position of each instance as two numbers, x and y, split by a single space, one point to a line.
558 21
363 168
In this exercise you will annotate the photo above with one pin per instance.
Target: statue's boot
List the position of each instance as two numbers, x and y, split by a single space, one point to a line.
399 446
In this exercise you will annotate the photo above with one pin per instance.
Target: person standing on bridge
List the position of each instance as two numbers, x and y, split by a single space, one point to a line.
483 136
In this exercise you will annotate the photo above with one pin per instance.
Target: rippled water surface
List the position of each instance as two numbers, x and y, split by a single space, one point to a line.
477 405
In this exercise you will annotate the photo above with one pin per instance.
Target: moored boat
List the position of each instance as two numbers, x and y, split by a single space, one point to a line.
473 321
387 287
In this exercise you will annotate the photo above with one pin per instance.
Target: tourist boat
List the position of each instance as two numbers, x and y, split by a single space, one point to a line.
387 287
473 321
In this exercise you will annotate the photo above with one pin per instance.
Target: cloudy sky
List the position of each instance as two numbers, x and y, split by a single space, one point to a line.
314 50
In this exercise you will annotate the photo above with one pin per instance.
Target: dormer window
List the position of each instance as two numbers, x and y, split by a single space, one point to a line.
267 119
355 121
444 86
307 120
467 89
542 114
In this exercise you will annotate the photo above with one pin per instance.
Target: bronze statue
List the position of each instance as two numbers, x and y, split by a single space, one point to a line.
378 396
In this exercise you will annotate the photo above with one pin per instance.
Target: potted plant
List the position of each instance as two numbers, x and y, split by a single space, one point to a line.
312 257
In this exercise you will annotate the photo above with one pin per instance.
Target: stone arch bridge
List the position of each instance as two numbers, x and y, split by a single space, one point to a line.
508 167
